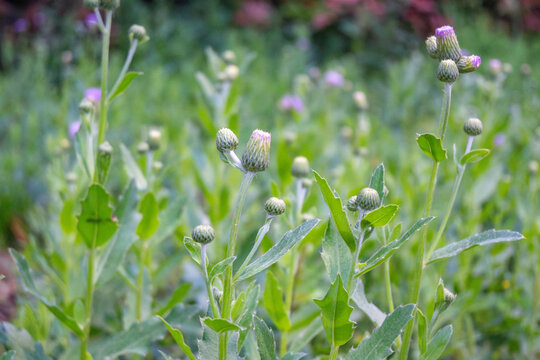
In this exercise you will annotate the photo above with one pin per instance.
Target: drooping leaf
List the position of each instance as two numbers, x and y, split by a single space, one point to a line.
220 267
277 251
132 169
336 209
431 146
193 248
179 339
377 181
265 340
378 345
336 311
335 253
273 303
421 320
95 223
149 210
380 216
221 325
177 296
438 343
483 238
124 84
371 310
387 250
474 156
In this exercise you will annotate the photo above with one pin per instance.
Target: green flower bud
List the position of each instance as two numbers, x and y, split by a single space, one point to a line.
109 4
352 204
274 206
203 234
104 160
138 32
143 148
368 199
431 46
256 156
91 4
447 43
154 139
306 183
226 140
86 107
300 167
232 72
229 56
447 71
467 64
473 127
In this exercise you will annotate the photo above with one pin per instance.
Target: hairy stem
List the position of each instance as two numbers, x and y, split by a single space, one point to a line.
211 299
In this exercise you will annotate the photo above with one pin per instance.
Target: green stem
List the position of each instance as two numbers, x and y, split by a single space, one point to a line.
127 63
140 281
387 280
211 299
260 236
89 299
334 350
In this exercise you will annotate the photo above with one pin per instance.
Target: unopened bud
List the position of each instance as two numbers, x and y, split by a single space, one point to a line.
226 140
360 100
158 165
533 166
300 167
274 206
138 32
143 148
86 107
104 160
203 234
154 139
447 43
256 156
351 204
229 56
368 199
473 127
468 64
447 71
91 4
109 4
431 47
232 72
306 183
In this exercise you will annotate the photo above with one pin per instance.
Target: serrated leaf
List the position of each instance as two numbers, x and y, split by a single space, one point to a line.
483 238
385 252
277 251
371 310
474 156
177 296
95 223
421 320
377 181
378 345
265 340
336 209
221 325
273 303
220 267
124 84
431 146
438 343
68 222
380 216
193 248
132 169
149 210
335 253
336 311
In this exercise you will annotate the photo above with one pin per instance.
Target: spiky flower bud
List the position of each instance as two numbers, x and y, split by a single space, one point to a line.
226 140
351 204
229 56
368 199
256 156
300 167
431 47
143 148
232 72
468 63
91 4
447 43
473 127
138 32
203 234
274 206
360 100
86 107
154 139
109 4
104 160
447 71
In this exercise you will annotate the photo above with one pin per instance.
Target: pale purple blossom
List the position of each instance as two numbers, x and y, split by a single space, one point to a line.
90 20
74 128
495 65
334 78
291 102
499 139
20 25
93 94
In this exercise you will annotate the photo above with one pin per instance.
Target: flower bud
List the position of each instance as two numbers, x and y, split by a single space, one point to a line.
157 165
203 234
444 300
138 32
447 71
468 63
109 4
154 139
306 183
256 156
226 140
104 160
431 47
473 127
351 204
91 4
143 148
368 199
300 167
360 100
274 206
229 56
447 43
232 72
86 107
533 167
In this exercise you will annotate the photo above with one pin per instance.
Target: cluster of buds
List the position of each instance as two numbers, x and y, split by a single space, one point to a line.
256 156
231 70
444 46
368 199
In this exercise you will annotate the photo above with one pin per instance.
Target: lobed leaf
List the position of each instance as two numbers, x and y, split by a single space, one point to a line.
422 322
177 296
193 248
132 169
371 310
265 340
220 267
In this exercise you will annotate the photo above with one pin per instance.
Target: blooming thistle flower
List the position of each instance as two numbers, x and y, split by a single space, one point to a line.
91 20
447 43
468 63
93 94
291 102
334 78
256 156
74 128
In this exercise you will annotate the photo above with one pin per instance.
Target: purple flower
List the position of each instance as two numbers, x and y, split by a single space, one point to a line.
20 25
74 128
444 31
90 20
291 102
93 94
499 139
495 66
334 78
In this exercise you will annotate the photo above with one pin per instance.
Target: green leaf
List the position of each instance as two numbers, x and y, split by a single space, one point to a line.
221 325
209 345
371 310
149 210
220 267
421 320
265 340
304 337
95 223
431 146
169 219
8 355
193 248
68 222
336 209
377 181
378 345
293 356
21 343
438 343
335 253
124 84
484 238
273 303
384 253
132 169
380 216
246 319
474 156
336 312
277 251
177 296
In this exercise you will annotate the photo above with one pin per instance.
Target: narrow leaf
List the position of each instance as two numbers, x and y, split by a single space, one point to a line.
149 210
371 310
335 253
421 320
193 248
132 169
431 146
126 81
380 216
179 339
377 181
177 296
95 223
221 325
265 340
246 319
438 343
273 303
474 156
220 267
